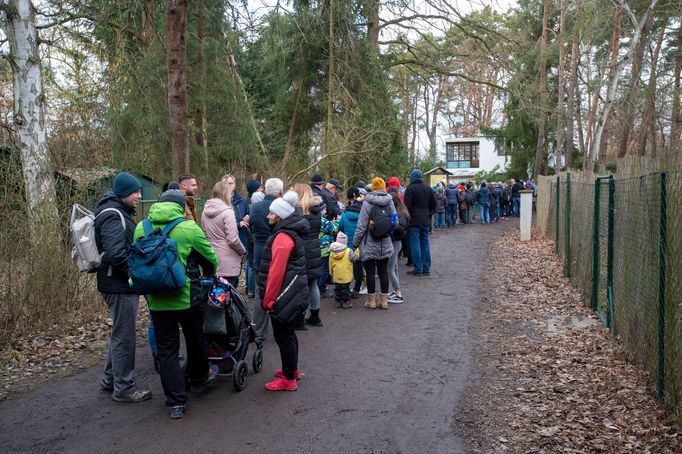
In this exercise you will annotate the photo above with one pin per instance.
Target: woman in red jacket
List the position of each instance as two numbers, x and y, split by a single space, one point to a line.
282 279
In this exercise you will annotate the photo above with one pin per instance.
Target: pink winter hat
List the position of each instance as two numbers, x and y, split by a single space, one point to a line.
342 238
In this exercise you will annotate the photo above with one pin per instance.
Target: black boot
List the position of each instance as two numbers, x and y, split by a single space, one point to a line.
314 319
300 323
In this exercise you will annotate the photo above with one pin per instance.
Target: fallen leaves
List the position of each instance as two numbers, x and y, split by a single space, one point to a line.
552 379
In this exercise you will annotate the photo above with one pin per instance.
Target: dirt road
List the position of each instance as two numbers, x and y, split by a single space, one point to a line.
375 382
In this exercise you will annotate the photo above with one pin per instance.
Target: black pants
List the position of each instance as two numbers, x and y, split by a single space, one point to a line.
166 325
405 250
358 274
342 292
381 268
286 339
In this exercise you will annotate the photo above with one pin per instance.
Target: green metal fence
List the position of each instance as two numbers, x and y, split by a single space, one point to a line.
621 243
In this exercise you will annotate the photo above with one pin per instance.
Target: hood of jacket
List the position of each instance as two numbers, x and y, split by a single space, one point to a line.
452 186
295 222
111 200
416 176
337 247
214 207
379 197
164 212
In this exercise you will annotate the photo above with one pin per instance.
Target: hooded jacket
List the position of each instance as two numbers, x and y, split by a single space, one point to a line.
349 219
419 200
441 201
282 275
483 196
193 249
451 194
341 260
113 242
219 223
372 248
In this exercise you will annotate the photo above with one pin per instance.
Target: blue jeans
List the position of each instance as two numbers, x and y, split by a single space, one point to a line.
485 213
324 277
497 211
313 294
250 275
516 206
451 215
260 318
419 246
440 222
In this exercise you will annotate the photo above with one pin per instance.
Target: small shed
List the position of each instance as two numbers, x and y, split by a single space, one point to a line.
438 174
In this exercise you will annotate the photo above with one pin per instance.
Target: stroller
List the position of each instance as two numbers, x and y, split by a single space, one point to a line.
228 330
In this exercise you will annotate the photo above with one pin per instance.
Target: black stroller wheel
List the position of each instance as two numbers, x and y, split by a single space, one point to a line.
241 371
257 360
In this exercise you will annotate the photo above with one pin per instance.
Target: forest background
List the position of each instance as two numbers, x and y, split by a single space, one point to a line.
347 89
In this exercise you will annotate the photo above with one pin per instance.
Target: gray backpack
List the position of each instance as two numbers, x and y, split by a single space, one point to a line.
85 254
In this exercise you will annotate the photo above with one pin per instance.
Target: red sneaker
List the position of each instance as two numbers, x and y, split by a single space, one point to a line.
280 374
281 384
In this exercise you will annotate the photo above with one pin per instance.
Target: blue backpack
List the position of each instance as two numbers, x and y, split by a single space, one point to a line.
154 263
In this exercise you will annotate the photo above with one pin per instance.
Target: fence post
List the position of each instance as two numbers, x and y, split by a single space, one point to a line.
567 233
595 247
609 259
558 214
663 232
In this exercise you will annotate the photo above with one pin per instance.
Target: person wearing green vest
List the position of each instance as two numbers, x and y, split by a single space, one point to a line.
169 311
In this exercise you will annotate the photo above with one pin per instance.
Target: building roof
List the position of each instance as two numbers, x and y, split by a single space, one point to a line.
442 170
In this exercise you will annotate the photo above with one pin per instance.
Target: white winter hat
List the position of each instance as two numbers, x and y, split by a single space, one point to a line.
284 206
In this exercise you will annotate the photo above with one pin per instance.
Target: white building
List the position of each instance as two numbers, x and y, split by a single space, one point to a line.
466 156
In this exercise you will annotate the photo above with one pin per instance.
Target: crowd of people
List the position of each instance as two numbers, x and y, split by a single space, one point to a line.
293 248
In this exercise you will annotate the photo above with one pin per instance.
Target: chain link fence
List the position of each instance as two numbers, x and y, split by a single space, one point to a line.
621 243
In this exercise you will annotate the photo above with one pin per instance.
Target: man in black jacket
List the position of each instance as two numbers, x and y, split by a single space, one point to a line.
114 230
332 206
261 230
421 204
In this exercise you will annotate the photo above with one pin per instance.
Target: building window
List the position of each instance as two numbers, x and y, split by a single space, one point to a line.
462 155
499 147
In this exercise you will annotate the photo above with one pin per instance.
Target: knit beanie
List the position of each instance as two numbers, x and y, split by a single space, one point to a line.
378 183
342 238
125 184
353 193
316 179
252 186
361 184
257 197
393 182
173 195
416 176
284 206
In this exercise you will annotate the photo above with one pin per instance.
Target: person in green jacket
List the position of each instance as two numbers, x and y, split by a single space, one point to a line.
181 308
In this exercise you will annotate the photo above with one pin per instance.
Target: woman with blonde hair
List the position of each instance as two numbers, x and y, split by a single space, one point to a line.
311 208
220 226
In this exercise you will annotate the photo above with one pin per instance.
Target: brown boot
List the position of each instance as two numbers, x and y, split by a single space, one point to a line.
383 301
371 302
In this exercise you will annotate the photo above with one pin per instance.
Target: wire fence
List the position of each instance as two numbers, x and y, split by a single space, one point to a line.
621 243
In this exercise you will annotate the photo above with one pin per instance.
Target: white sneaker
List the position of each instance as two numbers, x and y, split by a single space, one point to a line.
363 290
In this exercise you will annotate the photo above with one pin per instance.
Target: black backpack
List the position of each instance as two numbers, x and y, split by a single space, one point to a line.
380 222
506 196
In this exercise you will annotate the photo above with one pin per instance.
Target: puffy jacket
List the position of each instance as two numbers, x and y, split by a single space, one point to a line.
311 241
292 299
220 226
328 231
193 249
441 202
483 196
113 241
349 219
420 202
341 264
370 247
258 220
451 194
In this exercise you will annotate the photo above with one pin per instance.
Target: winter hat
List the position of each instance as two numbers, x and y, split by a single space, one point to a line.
252 186
173 195
378 183
393 182
284 206
353 193
342 238
483 185
257 197
316 179
361 184
460 187
125 184
335 182
416 175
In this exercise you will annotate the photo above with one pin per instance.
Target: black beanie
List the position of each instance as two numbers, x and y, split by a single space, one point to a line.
173 195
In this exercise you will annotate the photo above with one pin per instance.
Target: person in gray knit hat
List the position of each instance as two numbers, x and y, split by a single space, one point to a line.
114 227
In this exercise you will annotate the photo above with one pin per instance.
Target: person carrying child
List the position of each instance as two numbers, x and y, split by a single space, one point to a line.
341 259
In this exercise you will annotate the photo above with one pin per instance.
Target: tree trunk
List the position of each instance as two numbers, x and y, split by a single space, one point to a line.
676 120
201 119
176 56
148 25
648 125
373 25
572 85
331 74
540 149
29 122
560 89
292 128
630 97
